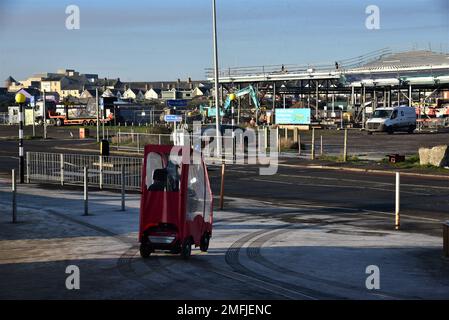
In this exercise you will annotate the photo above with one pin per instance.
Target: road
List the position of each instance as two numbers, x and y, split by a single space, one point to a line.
300 234
420 197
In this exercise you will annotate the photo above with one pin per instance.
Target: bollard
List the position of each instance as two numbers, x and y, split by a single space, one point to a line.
118 139
159 139
299 145
86 196
278 140
14 198
138 142
123 187
223 165
312 155
345 146
100 172
398 204
446 239
321 145
61 168
28 166
266 139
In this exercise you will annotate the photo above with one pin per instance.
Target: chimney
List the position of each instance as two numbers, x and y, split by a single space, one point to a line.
125 87
147 87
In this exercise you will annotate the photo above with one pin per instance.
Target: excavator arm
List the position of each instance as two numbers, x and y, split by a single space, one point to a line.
248 90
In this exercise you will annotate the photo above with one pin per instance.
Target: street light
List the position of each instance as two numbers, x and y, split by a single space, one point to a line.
21 99
217 111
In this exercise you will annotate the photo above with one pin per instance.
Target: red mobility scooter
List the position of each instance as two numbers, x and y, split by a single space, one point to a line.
176 203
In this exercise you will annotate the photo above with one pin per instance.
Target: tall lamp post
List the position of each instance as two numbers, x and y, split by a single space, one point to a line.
21 99
217 110
98 115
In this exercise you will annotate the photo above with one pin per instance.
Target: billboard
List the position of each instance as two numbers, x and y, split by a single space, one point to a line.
293 116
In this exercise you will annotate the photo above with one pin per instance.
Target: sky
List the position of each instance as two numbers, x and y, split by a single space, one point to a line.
157 40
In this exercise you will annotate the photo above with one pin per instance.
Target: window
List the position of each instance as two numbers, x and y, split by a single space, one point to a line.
381 113
160 177
154 161
196 191
394 114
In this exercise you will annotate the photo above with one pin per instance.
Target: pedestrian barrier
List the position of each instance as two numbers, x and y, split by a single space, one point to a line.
102 171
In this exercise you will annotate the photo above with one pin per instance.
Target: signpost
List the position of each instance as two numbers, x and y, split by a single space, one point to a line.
102 116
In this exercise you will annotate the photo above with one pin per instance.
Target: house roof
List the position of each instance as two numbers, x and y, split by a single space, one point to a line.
92 92
10 79
30 92
53 77
410 58
135 91
158 91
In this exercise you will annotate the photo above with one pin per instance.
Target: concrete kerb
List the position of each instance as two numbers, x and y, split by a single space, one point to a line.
377 171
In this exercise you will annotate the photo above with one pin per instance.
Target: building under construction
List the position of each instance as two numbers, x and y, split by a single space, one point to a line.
354 86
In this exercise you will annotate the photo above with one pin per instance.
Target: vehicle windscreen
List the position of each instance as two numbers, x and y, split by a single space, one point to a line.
163 173
381 114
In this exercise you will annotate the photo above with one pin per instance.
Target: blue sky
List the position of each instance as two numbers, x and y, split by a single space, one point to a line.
170 39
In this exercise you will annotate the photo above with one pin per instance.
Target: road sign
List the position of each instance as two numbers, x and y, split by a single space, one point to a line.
172 118
177 103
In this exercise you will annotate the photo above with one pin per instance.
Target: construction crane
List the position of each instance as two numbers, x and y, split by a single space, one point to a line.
248 90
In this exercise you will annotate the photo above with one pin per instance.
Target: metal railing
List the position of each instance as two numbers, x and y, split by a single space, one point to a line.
135 142
103 172
350 63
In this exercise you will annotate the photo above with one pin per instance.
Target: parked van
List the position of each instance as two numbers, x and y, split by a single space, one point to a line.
402 118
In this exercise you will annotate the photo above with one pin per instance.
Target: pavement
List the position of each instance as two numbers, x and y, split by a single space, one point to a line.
287 246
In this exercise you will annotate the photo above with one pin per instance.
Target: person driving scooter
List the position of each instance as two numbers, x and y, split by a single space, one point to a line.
159 180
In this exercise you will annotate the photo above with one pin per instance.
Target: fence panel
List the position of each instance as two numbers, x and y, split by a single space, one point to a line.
68 169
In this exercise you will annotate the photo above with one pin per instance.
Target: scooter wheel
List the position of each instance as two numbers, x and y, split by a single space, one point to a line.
145 250
186 250
204 244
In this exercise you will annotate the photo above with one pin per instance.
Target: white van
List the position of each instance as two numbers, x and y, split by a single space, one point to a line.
402 118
